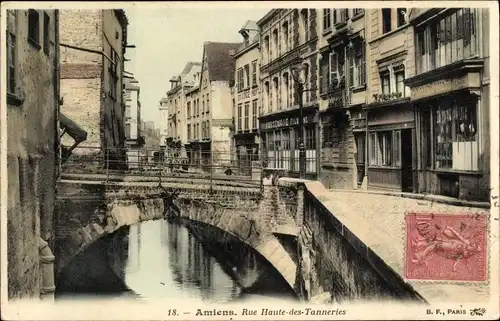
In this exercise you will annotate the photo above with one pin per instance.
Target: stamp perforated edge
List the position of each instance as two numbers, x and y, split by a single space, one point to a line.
485 282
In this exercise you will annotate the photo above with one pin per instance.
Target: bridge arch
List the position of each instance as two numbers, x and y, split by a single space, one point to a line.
241 223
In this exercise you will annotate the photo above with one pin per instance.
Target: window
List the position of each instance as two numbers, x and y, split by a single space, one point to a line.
456 134
189 131
189 109
46 34
304 14
207 106
445 41
247 114
344 15
400 86
334 14
401 16
113 75
357 73
334 68
381 148
386 20
356 11
275 53
254 73
11 51
385 79
266 48
239 116
34 27
254 114
240 81
127 130
324 78
327 19
202 104
247 76
285 37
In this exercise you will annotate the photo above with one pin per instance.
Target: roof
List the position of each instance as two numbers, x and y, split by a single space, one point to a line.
190 66
220 62
250 25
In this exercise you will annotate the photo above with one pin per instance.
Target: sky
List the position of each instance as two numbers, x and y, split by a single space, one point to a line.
166 39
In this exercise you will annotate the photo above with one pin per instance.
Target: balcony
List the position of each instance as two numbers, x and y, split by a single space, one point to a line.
335 93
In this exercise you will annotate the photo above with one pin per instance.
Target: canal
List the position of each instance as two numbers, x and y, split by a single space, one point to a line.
171 259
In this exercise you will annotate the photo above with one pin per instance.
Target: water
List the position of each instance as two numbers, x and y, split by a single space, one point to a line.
161 259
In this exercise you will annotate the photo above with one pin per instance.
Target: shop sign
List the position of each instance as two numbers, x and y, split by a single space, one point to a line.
285 122
244 95
443 86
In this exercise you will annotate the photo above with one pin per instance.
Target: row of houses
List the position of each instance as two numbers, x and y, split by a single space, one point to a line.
392 98
65 82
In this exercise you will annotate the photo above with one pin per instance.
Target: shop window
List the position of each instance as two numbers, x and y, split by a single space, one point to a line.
360 149
444 136
381 148
397 148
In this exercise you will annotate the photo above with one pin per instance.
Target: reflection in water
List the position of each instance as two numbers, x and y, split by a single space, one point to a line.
165 260
161 259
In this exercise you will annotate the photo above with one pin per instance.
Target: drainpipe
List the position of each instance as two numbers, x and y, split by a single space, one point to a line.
48 287
57 93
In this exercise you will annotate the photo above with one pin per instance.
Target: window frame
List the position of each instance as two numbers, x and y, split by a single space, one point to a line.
12 59
327 19
246 124
254 74
239 117
254 114
386 20
34 28
46 34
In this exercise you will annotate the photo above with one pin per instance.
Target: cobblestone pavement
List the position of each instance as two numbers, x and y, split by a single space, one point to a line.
378 221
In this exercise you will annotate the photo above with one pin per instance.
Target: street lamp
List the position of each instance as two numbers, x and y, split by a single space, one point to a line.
299 90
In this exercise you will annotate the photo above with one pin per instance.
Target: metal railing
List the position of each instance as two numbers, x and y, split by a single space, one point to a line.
160 165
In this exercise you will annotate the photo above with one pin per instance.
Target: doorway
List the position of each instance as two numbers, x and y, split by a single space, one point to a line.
406 160
360 156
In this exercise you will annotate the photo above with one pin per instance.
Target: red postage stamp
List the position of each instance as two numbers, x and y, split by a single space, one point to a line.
447 247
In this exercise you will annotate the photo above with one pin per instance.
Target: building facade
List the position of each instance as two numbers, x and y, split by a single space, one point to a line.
32 108
93 44
213 111
390 119
343 93
178 115
289 44
450 92
133 135
246 94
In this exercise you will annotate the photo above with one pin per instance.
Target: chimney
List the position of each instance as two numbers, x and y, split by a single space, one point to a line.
232 52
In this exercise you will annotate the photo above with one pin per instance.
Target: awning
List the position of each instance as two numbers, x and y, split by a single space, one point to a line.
72 128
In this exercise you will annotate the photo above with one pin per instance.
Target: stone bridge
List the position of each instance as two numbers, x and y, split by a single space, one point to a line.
255 215
337 254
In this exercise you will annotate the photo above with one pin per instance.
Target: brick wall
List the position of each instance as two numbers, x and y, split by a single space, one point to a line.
31 129
82 104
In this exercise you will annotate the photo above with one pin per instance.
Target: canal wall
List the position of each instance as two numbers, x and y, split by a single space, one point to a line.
334 264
